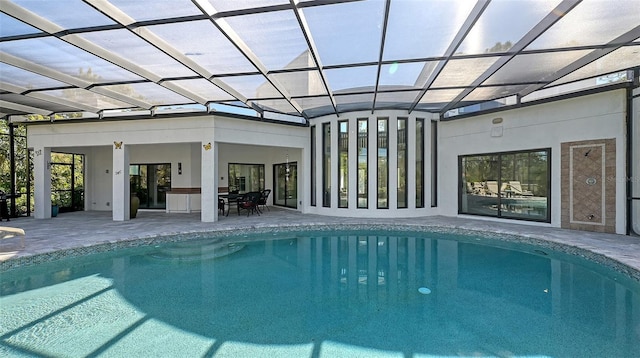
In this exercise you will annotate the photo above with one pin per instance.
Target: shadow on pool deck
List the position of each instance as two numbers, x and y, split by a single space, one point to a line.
82 229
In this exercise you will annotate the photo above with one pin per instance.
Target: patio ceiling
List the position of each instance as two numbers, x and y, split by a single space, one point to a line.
302 59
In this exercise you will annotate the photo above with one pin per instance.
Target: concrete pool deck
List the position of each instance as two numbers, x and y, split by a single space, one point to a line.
89 228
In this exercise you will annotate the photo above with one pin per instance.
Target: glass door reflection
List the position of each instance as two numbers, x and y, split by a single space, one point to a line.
286 185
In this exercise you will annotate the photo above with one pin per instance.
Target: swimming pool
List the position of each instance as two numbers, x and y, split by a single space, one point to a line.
324 293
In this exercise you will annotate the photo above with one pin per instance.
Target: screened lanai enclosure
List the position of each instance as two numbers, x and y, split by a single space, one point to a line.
101 58
298 63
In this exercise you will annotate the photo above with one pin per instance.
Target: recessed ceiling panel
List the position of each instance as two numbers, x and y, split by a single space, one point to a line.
462 72
151 93
217 54
154 10
591 23
420 29
68 14
504 23
348 32
68 59
252 87
301 83
533 67
275 37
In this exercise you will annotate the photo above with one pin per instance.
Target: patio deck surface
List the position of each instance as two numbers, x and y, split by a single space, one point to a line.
84 229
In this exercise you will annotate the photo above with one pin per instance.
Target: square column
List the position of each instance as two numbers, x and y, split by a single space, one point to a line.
121 191
209 182
42 178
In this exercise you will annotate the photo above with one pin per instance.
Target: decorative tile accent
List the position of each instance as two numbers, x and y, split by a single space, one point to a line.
587 196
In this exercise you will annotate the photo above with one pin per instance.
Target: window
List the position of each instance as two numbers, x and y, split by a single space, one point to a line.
343 164
419 163
150 183
512 185
244 178
326 165
402 162
383 165
313 165
434 164
363 164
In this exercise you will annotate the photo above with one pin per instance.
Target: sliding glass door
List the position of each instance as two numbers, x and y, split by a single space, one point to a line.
286 184
150 183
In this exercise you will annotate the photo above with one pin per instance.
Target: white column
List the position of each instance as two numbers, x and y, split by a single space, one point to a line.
209 182
42 177
121 197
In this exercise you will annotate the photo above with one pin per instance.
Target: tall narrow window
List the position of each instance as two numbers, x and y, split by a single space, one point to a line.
363 161
383 163
313 166
419 163
343 164
402 163
434 163
326 165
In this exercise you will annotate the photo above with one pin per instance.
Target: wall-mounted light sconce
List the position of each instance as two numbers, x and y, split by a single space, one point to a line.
117 145
179 168
207 146
496 120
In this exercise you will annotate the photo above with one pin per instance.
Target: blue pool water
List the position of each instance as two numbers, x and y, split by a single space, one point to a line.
322 294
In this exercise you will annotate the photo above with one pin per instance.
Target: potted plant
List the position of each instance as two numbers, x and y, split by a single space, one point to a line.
55 205
135 203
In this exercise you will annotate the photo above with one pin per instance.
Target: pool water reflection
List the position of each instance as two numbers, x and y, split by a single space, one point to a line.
322 294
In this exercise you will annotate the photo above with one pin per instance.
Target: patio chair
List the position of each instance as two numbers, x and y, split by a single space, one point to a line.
263 199
221 205
491 188
517 189
249 202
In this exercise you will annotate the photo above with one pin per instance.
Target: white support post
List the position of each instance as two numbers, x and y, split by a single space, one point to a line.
209 182
42 176
121 192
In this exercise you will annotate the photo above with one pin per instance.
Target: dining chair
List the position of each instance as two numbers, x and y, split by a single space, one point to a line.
249 202
263 199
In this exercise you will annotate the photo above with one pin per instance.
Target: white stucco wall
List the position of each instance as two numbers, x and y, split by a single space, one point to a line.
173 141
180 140
547 125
